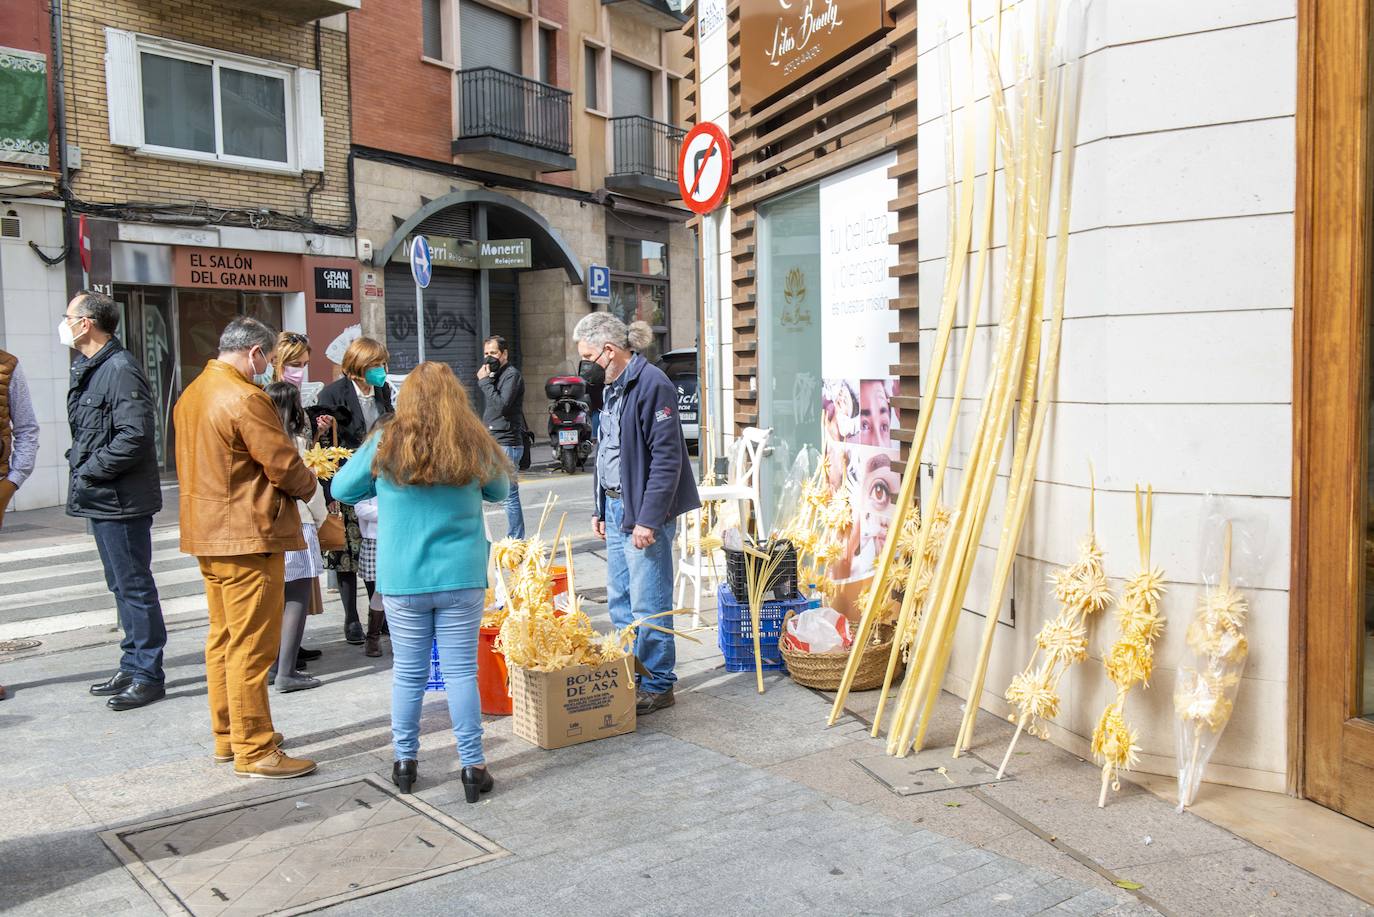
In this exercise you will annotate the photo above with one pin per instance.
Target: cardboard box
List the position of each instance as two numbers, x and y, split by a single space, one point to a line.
581 703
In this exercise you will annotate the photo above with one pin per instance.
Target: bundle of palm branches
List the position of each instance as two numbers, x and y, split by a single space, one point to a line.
1130 661
1082 590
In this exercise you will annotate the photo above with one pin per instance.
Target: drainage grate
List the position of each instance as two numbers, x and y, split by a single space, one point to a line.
18 646
295 852
921 773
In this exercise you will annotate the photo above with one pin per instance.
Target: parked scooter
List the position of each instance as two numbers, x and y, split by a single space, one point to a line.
570 426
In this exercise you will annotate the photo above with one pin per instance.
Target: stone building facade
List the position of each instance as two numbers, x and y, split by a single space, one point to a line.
537 120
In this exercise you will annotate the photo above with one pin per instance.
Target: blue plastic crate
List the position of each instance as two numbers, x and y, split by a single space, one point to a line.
436 675
735 634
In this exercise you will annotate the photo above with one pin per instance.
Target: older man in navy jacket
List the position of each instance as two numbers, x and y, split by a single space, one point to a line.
643 482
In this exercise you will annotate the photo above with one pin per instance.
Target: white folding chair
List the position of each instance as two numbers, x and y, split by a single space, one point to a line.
743 483
743 487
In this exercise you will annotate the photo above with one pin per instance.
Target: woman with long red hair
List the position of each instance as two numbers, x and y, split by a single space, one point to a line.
431 468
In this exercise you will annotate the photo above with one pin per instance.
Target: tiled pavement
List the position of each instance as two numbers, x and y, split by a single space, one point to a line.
729 803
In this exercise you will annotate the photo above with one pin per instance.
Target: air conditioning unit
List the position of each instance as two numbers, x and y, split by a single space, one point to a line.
11 227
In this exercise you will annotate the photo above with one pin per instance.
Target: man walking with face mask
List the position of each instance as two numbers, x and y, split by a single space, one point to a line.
115 483
503 394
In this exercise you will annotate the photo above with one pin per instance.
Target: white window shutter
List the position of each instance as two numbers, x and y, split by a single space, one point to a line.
309 121
125 98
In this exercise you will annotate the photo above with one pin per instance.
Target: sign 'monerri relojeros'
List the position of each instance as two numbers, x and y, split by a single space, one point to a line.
782 41
489 254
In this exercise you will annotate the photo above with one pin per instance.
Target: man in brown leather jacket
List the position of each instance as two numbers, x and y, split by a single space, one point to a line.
240 478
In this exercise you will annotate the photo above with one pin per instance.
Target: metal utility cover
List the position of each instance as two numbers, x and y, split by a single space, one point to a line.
919 772
295 852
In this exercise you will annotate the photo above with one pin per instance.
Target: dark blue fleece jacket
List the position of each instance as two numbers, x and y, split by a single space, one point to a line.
656 480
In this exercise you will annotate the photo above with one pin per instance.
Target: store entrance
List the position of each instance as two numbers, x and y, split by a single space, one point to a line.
173 333
1333 443
148 330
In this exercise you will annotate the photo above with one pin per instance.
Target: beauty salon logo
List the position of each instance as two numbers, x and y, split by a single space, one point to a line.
795 316
796 38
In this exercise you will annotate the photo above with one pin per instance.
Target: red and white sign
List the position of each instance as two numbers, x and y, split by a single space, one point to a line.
83 243
704 167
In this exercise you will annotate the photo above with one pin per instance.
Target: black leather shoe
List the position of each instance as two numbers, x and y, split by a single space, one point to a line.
112 685
476 780
353 633
403 774
136 695
305 655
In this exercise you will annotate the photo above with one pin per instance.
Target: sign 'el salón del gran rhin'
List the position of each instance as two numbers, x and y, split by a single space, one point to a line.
783 40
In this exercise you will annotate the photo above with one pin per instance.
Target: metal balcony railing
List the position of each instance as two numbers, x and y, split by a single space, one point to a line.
643 146
495 103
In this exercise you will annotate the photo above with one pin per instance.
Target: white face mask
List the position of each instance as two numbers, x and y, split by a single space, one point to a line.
64 333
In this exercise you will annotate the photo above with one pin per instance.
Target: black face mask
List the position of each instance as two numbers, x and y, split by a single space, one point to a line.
592 372
492 363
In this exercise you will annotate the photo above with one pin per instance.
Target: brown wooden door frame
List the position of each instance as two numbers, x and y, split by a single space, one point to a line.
1331 752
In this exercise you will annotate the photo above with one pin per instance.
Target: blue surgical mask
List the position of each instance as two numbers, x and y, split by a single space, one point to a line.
264 378
375 377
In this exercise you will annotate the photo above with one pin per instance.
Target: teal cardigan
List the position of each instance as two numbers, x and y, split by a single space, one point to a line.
429 539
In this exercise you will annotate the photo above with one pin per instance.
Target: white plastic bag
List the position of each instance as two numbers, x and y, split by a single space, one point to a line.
818 630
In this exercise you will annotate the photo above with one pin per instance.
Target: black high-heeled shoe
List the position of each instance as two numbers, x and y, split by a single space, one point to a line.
476 780
403 774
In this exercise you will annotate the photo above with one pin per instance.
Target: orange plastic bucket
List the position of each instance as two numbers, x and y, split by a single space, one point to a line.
493 678
559 574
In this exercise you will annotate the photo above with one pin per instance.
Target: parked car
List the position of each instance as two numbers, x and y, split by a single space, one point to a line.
681 367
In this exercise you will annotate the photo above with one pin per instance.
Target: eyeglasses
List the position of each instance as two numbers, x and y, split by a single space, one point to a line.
295 337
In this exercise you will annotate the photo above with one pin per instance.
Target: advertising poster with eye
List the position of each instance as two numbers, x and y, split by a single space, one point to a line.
856 409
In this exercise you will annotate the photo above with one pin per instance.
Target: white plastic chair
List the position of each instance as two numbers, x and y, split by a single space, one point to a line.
743 486
743 483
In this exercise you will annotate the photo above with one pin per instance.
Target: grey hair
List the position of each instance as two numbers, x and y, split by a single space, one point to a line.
601 328
245 333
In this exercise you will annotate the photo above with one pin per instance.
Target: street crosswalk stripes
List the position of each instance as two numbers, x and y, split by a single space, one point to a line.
60 586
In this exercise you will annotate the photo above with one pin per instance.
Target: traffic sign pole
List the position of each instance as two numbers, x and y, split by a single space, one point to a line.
422 270
420 323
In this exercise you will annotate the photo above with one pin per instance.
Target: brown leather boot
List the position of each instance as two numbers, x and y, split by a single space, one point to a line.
374 633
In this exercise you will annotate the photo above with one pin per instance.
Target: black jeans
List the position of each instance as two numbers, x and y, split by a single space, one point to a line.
126 551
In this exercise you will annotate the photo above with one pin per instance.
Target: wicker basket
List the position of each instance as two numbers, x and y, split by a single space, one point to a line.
823 671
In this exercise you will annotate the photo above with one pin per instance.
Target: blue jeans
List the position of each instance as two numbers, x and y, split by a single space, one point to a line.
417 622
640 583
515 516
126 552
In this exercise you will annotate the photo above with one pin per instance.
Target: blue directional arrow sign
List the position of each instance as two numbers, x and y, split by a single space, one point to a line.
421 263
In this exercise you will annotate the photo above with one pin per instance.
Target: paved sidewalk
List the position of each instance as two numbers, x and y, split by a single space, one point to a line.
729 803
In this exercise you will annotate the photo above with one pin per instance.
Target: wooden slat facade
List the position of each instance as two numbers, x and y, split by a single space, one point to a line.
863 105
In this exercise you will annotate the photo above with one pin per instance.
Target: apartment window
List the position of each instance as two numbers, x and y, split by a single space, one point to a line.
187 102
632 89
432 24
674 100
489 38
591 73
548 56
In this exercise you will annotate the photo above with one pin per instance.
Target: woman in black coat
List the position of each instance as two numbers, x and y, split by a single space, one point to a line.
355 401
